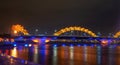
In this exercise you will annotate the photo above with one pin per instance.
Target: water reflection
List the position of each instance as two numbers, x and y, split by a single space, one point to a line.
99 53
35 55
71 55
14 52
67 55
85 55
111 55
55 55
117 61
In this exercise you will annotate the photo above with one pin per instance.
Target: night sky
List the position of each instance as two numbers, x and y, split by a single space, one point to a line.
47 15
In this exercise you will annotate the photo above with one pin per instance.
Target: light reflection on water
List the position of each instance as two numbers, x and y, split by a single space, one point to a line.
67 55
14 52
35 55
54 55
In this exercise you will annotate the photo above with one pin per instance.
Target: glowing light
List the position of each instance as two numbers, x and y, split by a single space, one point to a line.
104 42
15 32
117 34
14 52
19 28
36 40
7 40
47 40
67 29
30 45
1 39
35 55
55 45
54 55
55 51
14 45
26 45
36 49
85 53
12 40
71 53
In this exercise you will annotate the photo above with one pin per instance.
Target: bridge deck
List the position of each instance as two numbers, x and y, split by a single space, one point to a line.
66 37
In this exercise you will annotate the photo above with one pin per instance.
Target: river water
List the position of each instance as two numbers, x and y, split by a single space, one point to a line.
67 55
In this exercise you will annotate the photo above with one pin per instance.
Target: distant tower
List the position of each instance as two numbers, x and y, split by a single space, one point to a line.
99 34
55 31
110 35
36 31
